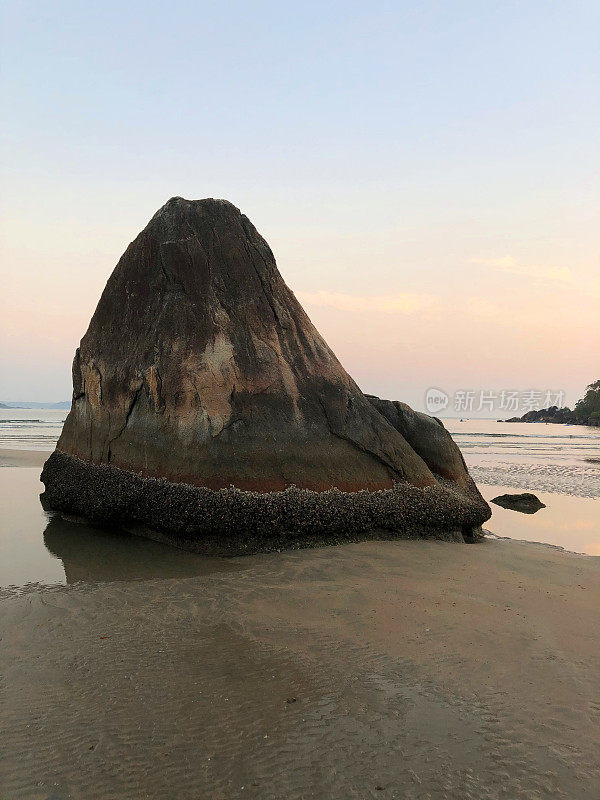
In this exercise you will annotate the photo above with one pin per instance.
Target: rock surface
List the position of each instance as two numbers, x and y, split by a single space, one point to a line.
526 503
201 369
427 437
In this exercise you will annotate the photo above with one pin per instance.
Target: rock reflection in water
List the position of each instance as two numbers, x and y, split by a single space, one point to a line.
94 554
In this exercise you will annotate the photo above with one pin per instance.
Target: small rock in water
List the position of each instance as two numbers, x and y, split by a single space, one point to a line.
526 503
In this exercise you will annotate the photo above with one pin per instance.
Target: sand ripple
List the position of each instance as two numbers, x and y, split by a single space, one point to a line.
366 671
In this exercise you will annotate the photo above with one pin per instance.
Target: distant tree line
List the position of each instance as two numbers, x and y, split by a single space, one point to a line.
586 411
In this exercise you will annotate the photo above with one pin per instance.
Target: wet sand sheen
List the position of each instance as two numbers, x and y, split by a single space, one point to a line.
22 458
405 669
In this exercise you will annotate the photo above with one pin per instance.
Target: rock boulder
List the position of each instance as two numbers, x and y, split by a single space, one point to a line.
206 404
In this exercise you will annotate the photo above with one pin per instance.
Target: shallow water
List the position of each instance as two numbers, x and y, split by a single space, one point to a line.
559 463
39 548
30 428
531 456
569 522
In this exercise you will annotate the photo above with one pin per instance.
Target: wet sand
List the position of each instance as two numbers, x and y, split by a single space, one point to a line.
23 458
404 669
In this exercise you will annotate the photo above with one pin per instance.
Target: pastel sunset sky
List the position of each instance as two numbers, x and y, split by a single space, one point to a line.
426 174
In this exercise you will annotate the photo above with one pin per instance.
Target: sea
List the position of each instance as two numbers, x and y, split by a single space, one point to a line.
560 464
30 429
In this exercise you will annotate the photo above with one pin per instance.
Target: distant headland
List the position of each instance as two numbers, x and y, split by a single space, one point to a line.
586 411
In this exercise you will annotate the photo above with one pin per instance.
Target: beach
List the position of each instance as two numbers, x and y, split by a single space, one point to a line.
300 402
401 669
384 669
22 458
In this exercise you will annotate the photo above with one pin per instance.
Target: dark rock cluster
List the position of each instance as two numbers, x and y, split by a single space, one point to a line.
554 414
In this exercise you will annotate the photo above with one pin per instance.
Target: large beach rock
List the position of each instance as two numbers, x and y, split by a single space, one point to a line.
206 406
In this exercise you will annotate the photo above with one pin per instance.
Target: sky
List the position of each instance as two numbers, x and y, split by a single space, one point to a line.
426 174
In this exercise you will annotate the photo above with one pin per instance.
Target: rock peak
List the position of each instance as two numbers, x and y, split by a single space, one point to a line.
208 205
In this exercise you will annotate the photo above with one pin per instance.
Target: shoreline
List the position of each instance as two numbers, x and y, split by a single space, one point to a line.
14 457
549 527
331 671
491 536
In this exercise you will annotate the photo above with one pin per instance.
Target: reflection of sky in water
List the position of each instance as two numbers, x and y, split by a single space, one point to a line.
37 548
567 521
549 460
